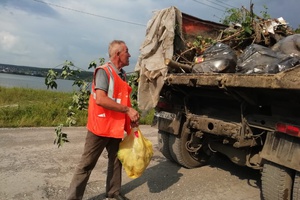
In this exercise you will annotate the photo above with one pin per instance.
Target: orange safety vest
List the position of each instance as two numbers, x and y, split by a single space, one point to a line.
104 122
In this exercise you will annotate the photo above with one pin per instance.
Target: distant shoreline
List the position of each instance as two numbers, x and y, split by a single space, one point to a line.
10 80
24 74
38 72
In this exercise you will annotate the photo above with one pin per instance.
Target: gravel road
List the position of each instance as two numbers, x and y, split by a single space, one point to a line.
32 168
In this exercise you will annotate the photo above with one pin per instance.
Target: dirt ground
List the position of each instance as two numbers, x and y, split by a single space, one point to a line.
33 168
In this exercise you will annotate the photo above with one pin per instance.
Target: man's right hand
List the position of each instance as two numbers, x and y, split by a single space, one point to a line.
133 114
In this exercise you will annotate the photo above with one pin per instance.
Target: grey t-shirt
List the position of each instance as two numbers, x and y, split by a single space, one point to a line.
101 80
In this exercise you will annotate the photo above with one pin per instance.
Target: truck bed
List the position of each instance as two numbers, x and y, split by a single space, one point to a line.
288 79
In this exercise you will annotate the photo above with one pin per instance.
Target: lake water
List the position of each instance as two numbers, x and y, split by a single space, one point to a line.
33 82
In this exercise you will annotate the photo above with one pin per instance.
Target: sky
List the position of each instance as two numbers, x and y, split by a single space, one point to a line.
45 34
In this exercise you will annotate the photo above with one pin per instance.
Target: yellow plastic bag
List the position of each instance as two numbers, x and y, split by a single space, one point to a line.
135 153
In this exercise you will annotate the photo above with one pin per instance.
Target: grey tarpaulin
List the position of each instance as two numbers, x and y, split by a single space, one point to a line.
157 46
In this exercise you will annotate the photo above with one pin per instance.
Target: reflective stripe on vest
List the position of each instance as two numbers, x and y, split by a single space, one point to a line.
111 84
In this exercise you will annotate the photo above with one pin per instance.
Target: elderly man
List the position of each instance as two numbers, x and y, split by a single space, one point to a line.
109 115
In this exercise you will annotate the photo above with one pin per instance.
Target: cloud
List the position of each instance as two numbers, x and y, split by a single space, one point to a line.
45 34
7 40
12 45
30 7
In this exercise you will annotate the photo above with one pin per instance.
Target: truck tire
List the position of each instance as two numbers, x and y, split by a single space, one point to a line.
163 144
180 153
296 187
277 182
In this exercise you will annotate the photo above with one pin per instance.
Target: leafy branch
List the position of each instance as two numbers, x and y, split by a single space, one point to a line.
79 99
133 82
61 137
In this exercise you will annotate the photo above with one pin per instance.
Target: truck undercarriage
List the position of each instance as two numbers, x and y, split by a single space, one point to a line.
196 120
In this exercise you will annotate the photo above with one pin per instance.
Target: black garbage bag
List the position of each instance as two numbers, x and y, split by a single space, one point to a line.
262 60
219 58
288 45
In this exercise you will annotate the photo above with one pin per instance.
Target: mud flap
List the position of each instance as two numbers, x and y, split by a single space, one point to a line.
282 149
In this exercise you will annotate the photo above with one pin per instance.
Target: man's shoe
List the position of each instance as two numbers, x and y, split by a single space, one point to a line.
120 197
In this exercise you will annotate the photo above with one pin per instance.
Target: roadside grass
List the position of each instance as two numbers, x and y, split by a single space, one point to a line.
23 107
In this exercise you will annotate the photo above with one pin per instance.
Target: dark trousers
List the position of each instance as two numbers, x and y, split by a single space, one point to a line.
93 148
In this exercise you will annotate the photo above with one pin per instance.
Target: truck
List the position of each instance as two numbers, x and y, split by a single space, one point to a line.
253 119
